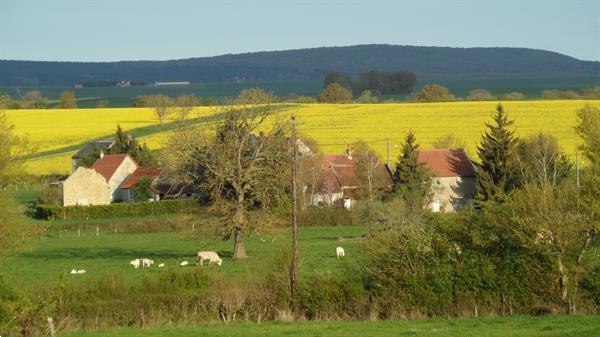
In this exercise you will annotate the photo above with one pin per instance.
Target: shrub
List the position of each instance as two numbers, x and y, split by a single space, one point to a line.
480 95
335 93
433 93
512 96
52 212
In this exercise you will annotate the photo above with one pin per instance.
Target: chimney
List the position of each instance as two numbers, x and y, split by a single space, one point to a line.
348 152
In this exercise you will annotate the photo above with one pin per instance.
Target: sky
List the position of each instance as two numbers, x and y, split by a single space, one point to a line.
112 30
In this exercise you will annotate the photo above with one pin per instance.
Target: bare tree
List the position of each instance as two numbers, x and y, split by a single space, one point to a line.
240 167
370 171
185 104
162 105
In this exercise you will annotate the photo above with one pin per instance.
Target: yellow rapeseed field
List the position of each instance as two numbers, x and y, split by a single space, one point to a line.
56 133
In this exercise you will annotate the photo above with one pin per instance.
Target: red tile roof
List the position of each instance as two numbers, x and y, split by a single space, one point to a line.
447 162
108 165
339 171
141 172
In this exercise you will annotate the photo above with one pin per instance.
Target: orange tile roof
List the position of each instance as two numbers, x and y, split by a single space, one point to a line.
141 172
447 162
108 165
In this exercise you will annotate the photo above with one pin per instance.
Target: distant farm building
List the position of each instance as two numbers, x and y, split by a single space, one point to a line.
453 178
171 83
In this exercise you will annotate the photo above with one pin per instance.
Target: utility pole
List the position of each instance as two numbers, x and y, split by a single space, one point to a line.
577 166
294 268
388 152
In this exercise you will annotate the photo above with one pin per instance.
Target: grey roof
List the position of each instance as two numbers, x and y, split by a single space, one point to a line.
89 147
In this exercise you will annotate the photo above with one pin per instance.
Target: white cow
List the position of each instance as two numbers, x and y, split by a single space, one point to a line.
146 263
135 263
81 271
183 264
211 257
73 271
339 252
161 265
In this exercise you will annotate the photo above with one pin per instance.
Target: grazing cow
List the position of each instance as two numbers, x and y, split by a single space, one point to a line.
161 265
211 257
183 264
135 263
339 252
81 271
73 271
146 263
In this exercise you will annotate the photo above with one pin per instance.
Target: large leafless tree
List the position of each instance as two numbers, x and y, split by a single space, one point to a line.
241 166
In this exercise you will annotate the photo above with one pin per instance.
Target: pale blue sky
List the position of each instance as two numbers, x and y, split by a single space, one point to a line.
95 30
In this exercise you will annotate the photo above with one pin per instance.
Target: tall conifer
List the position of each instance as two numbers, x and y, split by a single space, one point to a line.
497 173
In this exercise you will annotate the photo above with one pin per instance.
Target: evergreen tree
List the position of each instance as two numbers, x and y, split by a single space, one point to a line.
497 173
125 143
411 178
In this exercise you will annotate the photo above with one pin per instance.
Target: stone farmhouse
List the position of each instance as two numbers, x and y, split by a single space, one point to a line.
453 178
338 180
111 178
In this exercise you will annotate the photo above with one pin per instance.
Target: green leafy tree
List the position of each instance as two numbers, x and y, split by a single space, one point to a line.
13 150
433 93
67 100
412 180
588 128
497 173
335 93
126 143
143 190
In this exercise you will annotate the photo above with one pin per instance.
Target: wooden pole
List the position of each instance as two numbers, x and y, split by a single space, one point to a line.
294 267
388 152
577 166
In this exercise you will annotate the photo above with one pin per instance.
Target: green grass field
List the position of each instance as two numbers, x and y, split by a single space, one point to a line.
54 254
551 325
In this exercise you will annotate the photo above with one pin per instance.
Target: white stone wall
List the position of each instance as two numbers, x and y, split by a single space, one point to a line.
127 167
85 187
451 192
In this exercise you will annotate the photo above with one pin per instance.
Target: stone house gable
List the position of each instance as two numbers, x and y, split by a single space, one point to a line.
85 187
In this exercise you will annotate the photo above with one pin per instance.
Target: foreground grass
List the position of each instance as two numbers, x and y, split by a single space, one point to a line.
551 325
56 254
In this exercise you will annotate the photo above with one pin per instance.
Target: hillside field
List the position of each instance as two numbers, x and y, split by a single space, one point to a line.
57 134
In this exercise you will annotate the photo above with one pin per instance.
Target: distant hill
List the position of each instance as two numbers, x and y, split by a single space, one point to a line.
307 64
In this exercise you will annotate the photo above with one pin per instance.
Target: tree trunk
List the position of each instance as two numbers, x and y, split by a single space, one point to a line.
564 281
239 250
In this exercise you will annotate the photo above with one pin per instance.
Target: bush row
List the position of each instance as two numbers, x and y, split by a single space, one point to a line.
53 212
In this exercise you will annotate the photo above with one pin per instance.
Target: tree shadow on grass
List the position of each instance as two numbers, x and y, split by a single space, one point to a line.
104 253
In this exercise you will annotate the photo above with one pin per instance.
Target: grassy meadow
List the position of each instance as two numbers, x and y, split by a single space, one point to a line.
57 134
550 325
56 253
